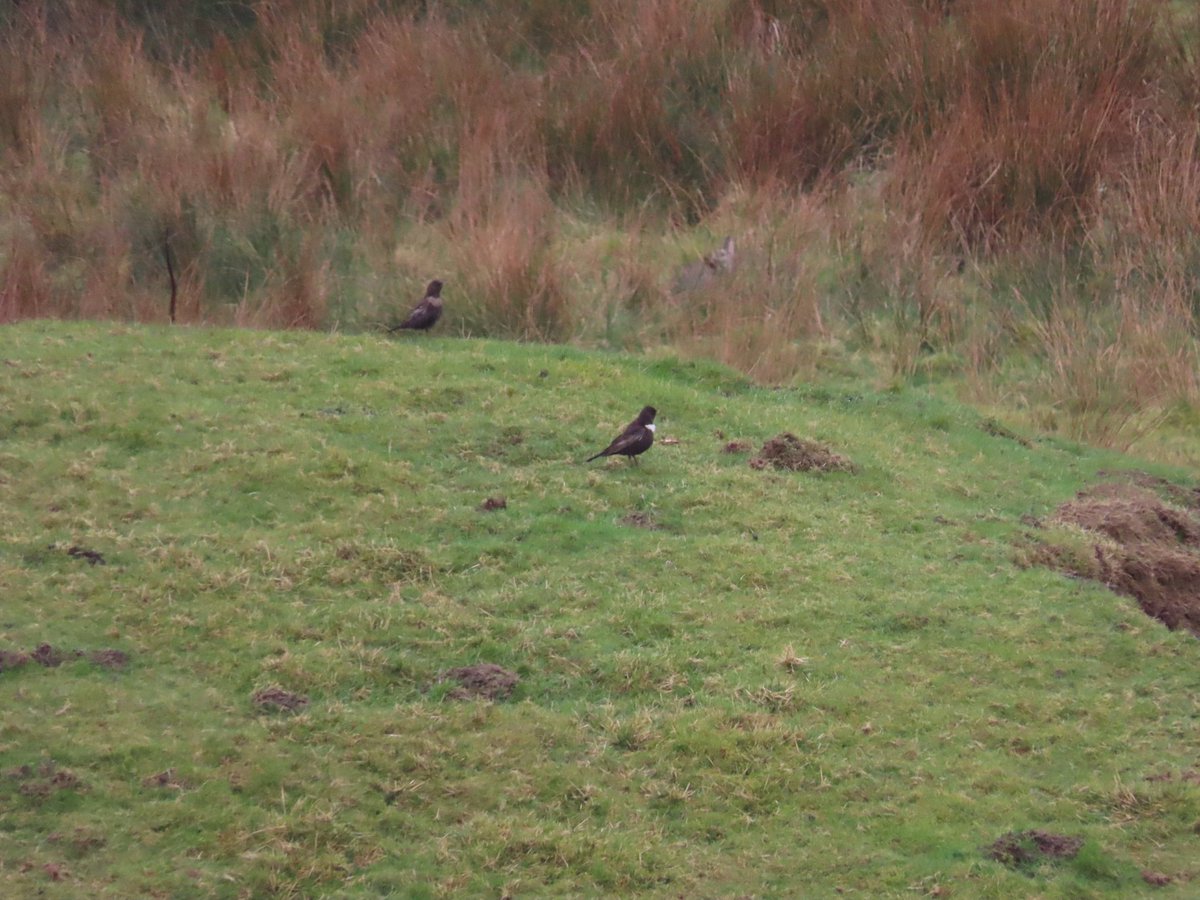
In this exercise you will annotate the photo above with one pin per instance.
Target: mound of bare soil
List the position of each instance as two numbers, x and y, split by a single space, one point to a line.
109 658
1129 514
45 780
80 843
165 779
786 451
485 681
1024 849
278 698
1146 547
52 657
48 656
1173 493
641 520
12 659
93 557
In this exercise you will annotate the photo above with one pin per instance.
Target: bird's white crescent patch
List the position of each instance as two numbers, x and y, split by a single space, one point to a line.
651 426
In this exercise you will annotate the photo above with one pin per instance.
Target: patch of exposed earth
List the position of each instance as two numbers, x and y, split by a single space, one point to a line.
276 698
788 452
42 781
1143 540
641 520
1028 849
485 681
52 657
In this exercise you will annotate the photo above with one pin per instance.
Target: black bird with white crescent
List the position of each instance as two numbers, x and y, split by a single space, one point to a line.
426 313
635 439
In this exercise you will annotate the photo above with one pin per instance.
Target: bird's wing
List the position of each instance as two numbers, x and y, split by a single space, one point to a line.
626 439
424 315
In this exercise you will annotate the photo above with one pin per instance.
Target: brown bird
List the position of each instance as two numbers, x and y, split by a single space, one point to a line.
426 313
634 440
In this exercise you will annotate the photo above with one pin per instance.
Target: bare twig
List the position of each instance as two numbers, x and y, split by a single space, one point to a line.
170 272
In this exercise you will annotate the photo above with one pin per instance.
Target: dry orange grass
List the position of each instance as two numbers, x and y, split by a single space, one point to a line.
761 317
882 163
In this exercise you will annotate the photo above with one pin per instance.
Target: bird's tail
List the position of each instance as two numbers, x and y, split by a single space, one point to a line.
597 456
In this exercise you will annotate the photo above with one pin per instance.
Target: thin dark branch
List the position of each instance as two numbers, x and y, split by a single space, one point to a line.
170 272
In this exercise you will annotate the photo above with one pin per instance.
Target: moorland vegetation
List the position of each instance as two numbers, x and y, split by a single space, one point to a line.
1001 193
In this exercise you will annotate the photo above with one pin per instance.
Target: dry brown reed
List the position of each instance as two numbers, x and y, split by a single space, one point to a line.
884 164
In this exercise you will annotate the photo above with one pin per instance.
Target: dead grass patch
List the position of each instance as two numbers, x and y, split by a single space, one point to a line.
790 661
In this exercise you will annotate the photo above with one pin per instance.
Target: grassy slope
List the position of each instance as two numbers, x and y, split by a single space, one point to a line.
301 510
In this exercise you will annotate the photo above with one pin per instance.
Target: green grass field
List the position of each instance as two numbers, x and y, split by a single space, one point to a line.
733 682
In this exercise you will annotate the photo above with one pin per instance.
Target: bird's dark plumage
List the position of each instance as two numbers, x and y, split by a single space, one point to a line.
426 313
635 439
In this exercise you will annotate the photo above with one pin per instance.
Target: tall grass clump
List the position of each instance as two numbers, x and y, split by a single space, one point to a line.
1049 102
758 317
807 102
501 239
635 112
